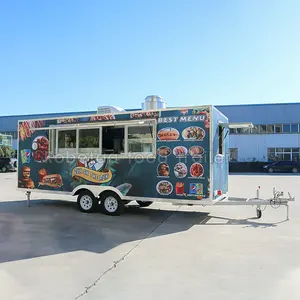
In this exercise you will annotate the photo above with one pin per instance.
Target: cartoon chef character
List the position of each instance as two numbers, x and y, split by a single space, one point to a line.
26 181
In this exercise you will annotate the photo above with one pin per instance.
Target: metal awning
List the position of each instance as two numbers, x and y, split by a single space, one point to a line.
237 125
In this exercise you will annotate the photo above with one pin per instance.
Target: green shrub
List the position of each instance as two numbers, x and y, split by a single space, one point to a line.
6 151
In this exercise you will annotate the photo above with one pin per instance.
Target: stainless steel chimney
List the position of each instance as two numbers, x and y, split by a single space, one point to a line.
153 102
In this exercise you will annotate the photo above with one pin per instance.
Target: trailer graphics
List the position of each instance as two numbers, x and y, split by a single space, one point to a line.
152 154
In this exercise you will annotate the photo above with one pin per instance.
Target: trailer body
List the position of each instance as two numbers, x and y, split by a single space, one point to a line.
176 155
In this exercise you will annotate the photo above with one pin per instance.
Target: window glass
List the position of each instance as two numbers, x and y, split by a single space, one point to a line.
113 139
286 128
287 156
270 128
255 129
246 130
233 154
263 128
295 157
278 128
287 150
271 154
67 139
140 139
294 128
88 140
295 150
232 130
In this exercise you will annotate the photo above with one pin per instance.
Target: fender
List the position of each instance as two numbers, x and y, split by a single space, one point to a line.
97 190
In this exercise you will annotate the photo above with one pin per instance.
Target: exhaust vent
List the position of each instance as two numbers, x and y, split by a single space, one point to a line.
153 102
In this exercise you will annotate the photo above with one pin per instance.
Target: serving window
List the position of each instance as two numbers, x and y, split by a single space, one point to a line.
140 139
66 141
117 139
89 140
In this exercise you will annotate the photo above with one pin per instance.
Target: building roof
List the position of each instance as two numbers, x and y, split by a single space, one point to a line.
266 113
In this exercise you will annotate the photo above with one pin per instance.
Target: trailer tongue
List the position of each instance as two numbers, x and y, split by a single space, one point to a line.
276 201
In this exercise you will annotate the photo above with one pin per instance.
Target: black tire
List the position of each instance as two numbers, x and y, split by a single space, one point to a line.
144 203
86 202
15 164
295 170
111 204
258 213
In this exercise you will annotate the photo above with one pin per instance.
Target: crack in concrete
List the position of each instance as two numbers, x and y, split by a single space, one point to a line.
114 265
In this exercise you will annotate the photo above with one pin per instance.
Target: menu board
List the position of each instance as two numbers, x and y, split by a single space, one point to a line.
183 154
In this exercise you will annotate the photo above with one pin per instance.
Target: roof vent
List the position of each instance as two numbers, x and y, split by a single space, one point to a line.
153 102
103 110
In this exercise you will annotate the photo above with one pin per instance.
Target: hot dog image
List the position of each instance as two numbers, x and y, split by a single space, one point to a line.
168 134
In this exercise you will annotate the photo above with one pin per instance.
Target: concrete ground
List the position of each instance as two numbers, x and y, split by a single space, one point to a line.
52 251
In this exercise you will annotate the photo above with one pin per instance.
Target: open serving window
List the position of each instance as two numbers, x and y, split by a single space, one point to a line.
120 139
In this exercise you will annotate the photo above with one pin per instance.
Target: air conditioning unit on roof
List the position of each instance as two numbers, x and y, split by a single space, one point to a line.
103 110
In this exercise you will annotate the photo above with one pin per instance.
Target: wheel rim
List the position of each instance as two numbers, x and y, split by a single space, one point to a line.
111 204
271 170
294 170
3 169
86 202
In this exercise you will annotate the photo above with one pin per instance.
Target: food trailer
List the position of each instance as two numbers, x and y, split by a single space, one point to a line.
113 157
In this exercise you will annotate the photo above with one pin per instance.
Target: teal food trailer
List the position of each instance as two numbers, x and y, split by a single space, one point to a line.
157 154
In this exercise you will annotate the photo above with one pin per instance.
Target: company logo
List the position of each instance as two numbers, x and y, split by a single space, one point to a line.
196 188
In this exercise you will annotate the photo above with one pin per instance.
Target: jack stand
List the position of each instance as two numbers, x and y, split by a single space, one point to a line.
28 193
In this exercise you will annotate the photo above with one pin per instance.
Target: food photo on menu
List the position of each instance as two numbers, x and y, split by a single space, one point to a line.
179 188
196 170
163 151
196 151
168 134
193 133
180 170
180 151
164 188
163 170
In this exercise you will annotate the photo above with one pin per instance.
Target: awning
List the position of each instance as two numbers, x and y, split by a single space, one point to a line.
237 125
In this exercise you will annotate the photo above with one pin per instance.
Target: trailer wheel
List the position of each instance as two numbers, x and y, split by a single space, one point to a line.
144 203
86 201
258 213
111 204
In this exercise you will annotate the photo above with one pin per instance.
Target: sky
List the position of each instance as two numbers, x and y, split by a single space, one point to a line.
66 56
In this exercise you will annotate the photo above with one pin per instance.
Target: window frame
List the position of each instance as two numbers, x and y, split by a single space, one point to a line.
126 134
130 123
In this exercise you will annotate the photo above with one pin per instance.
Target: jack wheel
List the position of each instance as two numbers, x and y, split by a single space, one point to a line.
258 213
